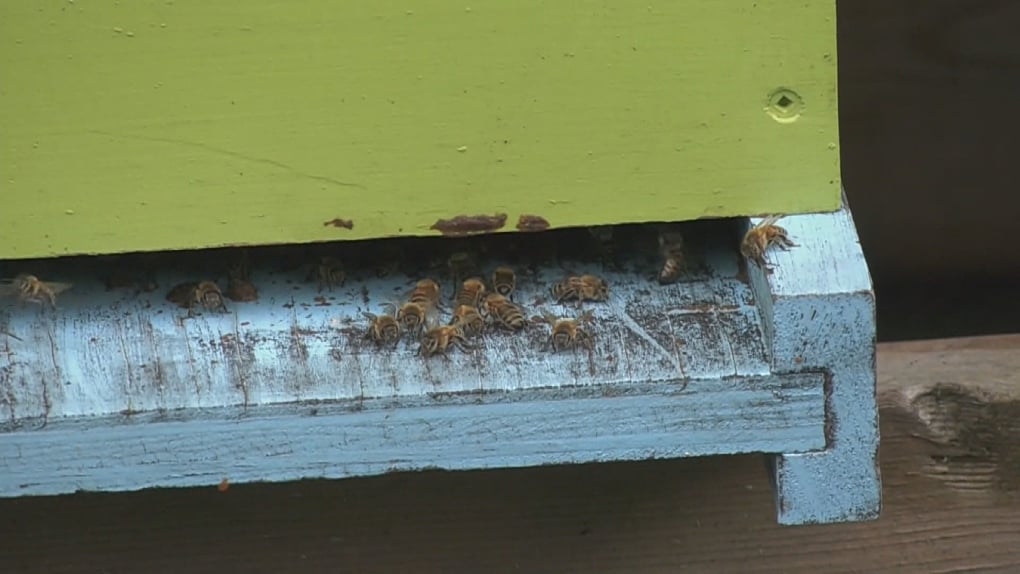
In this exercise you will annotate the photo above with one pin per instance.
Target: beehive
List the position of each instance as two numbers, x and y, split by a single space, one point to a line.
128 126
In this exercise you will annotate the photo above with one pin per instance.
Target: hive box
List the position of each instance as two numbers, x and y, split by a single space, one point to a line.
129 126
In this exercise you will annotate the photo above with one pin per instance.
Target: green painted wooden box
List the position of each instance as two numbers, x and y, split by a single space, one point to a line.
155 125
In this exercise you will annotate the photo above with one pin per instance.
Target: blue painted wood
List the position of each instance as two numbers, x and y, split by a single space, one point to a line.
117 390
818 309
460 431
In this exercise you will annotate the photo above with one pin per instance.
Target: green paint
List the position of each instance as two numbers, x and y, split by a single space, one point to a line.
150 125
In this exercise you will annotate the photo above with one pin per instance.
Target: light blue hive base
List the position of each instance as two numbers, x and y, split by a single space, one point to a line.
114 391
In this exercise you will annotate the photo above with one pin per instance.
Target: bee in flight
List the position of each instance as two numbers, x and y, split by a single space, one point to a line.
762 236
31 289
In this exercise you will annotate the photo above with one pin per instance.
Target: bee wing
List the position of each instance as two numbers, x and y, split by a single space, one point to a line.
770 220
58 287
549 318
586 316
369 316
390 307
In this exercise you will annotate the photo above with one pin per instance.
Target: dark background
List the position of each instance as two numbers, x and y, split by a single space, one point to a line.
930 124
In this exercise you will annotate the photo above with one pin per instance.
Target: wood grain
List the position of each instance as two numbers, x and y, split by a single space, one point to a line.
696 515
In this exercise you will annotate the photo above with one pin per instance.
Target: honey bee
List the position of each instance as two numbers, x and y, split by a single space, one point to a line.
581 288
383 329
504 281
470 292
412 316
461 265
330 273
239 287
29 288
208 295
568 333
181 293
671 247
425 292
762 236
469 320
438 340
504 312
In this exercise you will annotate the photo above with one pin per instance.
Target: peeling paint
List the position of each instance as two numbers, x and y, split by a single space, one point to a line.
470 224
532 223
339 222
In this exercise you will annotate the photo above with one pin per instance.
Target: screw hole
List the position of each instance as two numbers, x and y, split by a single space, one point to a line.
784 105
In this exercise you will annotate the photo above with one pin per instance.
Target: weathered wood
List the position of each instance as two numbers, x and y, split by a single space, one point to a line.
676 370
141 126
469 431
692 515
819 313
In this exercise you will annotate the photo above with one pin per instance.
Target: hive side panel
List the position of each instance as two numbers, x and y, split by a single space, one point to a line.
146 126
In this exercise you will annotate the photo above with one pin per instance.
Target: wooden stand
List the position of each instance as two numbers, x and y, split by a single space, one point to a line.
117 390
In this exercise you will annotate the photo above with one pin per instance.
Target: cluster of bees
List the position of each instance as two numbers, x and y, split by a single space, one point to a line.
478 306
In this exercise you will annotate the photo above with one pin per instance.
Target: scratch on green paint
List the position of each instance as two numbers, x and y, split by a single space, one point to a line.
167 125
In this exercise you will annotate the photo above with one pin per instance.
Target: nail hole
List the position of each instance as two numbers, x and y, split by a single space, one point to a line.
784 102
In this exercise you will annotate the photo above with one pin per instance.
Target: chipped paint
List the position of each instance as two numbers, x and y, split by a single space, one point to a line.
339 222
470 224
532 223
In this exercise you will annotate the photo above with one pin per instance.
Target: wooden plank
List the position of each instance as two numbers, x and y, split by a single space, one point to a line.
690 515
104 352
142 126
290 382
818 310
465 431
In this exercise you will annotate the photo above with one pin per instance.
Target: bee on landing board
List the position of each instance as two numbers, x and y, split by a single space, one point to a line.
31 289
461 265
207 295
383 329
438 340
239 287
470 293
569 333
762 236
469 320
420 308
671 248
504 312
504 281
330 273
581 288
